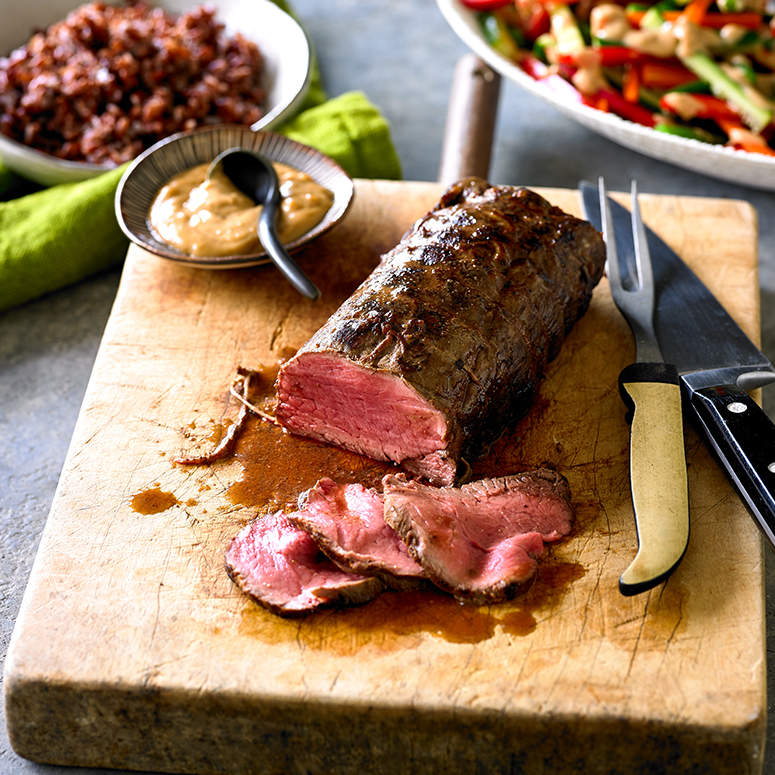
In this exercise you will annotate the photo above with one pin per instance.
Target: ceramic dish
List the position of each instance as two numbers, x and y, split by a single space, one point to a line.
280 39
741 167
154 168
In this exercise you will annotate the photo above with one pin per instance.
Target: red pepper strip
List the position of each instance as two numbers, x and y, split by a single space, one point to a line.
611 56
605 100
535 68
689 106
664 75
610 101
607 56
748 19
538 21
485 5
745 140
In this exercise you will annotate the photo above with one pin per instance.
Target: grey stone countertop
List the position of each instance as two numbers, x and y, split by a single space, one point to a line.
402 55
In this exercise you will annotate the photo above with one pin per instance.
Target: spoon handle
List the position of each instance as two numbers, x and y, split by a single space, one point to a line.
282 259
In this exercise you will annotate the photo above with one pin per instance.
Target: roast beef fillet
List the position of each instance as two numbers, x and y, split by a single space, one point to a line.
443 345
281 568
347 522
480 541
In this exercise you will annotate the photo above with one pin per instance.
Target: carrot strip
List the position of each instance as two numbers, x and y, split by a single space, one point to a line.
756 148
696 11
742 138
631 83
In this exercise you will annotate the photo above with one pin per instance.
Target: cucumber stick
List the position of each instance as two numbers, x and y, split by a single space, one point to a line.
565 28
497 34
755 115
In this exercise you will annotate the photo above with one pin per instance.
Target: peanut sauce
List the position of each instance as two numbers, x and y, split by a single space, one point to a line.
609 22
213 218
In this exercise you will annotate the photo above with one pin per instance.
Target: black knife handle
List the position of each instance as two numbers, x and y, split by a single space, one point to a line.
743 437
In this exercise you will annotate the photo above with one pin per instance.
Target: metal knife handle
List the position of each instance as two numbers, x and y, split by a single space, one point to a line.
658 483
743 436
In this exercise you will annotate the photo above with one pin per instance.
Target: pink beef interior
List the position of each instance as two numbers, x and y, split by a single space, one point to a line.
329 398
280 567
482 537
463 553
488 516
348 523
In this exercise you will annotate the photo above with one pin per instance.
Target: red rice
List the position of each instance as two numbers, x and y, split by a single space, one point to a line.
108 81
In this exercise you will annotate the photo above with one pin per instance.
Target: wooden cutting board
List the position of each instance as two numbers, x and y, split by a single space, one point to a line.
134 650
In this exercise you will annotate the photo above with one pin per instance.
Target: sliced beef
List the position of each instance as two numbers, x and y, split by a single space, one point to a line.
480 541
443 345
282 569
347 522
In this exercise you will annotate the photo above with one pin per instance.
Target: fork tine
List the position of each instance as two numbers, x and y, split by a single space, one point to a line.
642 254
612 258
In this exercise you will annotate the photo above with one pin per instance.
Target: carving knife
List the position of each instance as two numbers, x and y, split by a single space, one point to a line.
717 364
651 391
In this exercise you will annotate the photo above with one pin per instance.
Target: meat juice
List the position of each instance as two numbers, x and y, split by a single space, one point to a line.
277 467
153 500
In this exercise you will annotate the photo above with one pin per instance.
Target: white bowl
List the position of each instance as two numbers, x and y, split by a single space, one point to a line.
281 40
741 167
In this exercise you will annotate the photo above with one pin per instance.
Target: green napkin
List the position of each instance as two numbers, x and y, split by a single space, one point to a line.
60 235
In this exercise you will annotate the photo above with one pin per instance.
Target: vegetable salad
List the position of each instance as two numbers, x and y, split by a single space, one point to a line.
702 69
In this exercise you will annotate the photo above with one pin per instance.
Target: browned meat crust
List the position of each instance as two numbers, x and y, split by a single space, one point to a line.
458 321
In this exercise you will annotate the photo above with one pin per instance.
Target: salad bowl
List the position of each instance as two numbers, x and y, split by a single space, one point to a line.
722 162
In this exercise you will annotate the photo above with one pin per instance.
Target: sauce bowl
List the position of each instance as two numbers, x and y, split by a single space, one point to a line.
281 40
155 167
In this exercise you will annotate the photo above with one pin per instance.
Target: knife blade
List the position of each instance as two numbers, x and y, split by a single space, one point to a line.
651 392
717 364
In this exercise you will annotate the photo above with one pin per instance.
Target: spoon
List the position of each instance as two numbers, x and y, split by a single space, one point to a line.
254 176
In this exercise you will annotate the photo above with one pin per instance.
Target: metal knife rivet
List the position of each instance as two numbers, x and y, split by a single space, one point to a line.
737 407
771 467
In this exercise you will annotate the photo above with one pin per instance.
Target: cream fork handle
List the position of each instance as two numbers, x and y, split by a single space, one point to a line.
658 483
